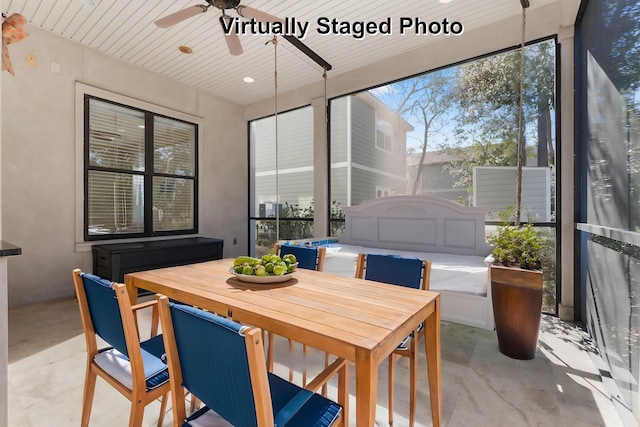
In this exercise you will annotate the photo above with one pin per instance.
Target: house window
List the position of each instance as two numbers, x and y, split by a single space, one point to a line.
140 174
382 191
384 135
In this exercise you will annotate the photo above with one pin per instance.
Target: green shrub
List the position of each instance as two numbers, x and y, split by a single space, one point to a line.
517 246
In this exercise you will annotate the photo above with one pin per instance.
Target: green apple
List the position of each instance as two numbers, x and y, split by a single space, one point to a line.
261 271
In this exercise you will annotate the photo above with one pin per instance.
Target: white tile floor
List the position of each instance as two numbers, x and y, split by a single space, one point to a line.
481 387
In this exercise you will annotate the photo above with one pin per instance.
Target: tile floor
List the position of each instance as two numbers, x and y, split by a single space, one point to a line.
481 387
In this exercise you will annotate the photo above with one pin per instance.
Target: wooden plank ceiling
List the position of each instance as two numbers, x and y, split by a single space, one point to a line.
125 30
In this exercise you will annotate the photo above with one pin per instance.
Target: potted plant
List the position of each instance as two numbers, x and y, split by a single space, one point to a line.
516 288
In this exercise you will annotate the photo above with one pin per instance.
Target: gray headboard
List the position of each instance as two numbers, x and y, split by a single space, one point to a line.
417 223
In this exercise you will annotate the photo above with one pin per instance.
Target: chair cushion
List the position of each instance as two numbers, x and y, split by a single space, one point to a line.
317 411
118 366
206 417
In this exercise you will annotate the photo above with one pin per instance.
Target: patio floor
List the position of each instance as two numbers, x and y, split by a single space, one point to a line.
481 387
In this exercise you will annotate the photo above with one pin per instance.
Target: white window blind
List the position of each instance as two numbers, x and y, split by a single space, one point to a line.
119 176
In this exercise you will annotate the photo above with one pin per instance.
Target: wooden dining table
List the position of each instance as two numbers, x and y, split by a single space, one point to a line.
359 320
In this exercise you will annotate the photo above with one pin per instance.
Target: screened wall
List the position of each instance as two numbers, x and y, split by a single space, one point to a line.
607 200
281 177
453 133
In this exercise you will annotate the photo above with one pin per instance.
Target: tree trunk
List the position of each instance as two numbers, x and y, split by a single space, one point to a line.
550 151
543 154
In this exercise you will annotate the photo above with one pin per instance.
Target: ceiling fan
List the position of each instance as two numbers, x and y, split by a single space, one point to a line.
231 37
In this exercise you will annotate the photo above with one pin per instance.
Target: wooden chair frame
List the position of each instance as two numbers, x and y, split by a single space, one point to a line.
411 349
257 371
138 394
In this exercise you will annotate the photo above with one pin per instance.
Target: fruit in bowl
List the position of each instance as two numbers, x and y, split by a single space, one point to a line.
268 265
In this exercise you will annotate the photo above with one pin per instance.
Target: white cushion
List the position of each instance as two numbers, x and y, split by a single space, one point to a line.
118 366
210 419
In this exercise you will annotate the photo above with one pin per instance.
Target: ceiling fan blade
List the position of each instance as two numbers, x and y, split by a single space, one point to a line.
181 15
251 13
232 39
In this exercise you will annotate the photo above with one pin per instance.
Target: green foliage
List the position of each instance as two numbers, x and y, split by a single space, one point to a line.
487 96
518 246
297 223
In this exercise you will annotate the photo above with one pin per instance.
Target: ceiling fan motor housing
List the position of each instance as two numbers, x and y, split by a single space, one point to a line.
224 4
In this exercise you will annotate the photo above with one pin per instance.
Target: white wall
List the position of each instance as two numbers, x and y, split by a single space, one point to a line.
38 158
4 321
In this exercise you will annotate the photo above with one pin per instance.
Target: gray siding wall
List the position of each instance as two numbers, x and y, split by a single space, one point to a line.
495 188
295 140
339 130
295 189
366 154
295 150
363 137
339 185
363 185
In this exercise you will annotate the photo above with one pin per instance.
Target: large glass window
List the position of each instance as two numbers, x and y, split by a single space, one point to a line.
281 153
140 172
453 133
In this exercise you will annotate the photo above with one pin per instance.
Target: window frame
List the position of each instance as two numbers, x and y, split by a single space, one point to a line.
83 240
387 144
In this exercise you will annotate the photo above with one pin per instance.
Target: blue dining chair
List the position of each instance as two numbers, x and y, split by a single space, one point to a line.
403 271
135 368
309 258
222 363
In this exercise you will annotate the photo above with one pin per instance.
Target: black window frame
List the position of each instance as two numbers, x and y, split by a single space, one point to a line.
148 175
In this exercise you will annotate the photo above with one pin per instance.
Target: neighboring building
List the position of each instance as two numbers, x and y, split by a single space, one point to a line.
368 154
494 187
436 180
295 160
368 150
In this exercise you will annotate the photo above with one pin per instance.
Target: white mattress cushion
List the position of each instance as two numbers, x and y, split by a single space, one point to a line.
455 273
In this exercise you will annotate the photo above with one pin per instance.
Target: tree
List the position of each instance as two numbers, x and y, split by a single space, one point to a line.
488 98
424 101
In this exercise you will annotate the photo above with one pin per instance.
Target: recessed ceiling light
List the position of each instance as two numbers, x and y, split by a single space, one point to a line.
445 1
185 49
248 79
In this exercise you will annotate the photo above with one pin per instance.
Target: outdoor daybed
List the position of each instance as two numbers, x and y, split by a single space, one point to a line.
448 234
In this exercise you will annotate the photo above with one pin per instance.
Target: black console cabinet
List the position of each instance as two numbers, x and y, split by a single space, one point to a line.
113 261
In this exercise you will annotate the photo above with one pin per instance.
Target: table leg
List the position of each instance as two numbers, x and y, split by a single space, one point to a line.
366 389
132 290
432 343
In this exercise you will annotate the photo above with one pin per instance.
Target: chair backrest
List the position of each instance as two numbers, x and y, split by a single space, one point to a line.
395 270
106 311
308 257
100 299
219 361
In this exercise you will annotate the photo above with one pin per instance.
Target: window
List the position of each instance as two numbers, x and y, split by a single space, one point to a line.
282 186
384 135
140 172
452 133
382 191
